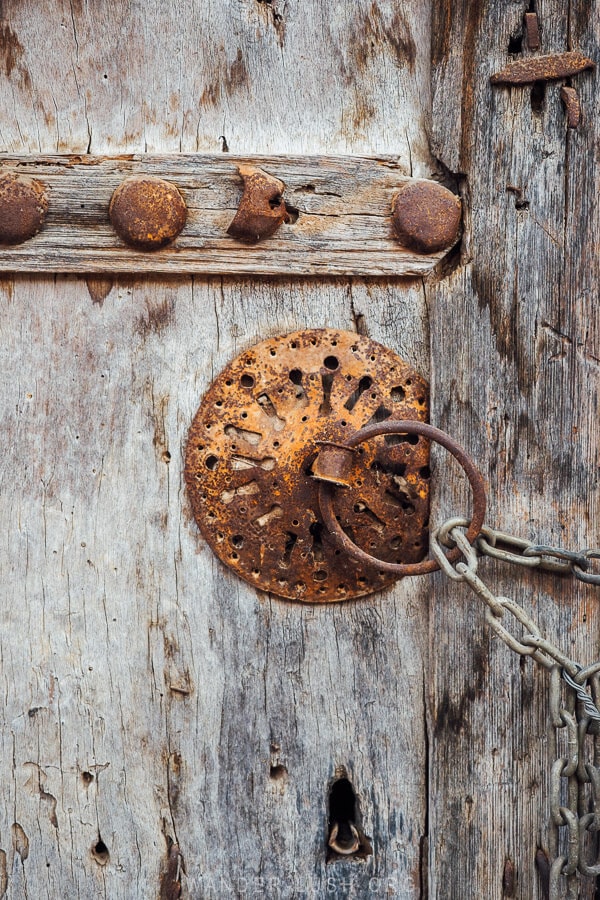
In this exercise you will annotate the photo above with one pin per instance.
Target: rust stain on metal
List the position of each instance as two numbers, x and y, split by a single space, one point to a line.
170 884
532 31
147 212
552 67
262 208
23 208
426 216
252 446
569 97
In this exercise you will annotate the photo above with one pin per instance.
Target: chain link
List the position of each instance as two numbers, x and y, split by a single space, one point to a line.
575 714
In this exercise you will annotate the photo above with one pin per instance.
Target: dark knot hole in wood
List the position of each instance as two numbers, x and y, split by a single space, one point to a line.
100 852
346 839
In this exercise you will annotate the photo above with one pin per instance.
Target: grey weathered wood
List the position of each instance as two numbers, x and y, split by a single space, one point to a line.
518 385
137 658
343 223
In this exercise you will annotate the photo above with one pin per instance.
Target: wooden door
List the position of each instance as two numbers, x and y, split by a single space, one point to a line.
167 730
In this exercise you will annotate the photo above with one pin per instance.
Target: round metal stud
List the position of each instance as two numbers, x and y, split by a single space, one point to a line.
252 446
426 216
23 208
147 212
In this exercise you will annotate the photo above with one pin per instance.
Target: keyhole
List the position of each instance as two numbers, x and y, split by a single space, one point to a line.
346 837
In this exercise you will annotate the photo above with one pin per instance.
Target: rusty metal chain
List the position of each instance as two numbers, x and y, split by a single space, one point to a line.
508 548
575 775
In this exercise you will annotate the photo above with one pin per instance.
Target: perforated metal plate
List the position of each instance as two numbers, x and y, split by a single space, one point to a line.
253 442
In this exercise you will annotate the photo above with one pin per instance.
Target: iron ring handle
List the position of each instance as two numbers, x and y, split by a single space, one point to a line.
326 495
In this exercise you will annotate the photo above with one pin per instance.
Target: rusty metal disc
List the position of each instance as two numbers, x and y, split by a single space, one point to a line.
254 440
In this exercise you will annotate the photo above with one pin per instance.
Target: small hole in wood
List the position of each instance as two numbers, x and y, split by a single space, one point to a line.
515 43
278 773
538 96
100 852
292 214
87 778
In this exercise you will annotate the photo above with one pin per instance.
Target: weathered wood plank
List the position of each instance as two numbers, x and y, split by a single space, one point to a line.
116 367
156 670
518 386
343 222
248 76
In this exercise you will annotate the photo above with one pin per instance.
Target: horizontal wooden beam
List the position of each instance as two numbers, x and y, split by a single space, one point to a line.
342 217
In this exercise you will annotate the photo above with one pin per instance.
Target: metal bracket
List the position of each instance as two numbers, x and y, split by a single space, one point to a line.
254 483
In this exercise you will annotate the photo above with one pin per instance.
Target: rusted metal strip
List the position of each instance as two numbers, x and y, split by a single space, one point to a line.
569 97
532 31
552 67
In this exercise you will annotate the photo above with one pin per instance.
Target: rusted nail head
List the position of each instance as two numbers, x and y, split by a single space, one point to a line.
23 208
426 216
147 212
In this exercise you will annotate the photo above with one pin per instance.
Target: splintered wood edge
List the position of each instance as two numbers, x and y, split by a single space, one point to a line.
341 206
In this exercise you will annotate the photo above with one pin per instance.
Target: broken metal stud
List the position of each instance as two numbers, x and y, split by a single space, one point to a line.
262 208
426 216
23 208
147 212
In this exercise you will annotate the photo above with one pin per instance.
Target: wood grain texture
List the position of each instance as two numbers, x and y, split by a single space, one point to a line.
519 386
343 224
131 654
148 692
